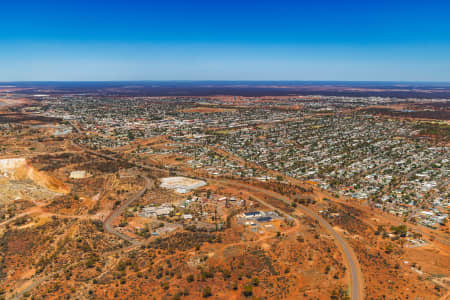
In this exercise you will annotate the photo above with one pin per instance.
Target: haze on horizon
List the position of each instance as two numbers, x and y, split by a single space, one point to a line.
207 40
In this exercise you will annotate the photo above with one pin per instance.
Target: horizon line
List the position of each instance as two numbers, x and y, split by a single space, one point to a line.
234 80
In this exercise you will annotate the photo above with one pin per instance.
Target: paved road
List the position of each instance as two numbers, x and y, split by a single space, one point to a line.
107 224
357 292
357 289
415 171
110 157
357 286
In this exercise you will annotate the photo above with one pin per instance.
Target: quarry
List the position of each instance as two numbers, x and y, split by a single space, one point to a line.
20 180
217 198
9 165
12 190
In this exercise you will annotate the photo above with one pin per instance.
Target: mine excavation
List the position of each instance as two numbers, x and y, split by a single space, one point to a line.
224 150
20 180
220 197
136 225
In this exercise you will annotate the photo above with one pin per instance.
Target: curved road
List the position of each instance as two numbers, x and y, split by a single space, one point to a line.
357 286
357 290
107 224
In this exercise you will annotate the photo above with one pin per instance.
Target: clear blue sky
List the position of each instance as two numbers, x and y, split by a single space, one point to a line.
225 40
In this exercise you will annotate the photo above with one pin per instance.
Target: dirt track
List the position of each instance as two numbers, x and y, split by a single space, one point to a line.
357 285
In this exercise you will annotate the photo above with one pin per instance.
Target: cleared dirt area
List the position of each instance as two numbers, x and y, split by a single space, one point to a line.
8 102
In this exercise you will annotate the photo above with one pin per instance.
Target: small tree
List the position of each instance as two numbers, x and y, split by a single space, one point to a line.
248 291
207 292
255 281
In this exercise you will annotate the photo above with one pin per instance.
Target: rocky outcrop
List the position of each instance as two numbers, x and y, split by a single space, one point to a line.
20 169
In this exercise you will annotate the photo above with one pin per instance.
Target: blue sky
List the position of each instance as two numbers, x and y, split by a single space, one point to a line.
225 40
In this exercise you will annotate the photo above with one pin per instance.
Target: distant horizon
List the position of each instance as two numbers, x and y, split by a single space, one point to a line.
226 81
243 88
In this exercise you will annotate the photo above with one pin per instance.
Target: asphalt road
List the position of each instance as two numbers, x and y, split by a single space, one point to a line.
357 286
355 270
107 224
